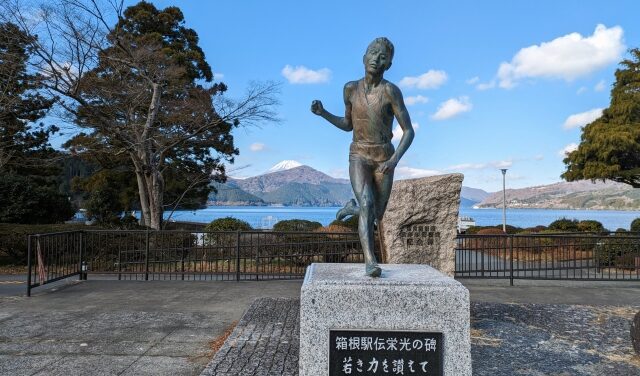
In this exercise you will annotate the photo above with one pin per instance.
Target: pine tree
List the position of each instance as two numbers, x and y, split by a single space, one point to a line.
610 145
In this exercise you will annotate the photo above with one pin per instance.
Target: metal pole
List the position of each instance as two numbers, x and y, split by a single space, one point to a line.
504 201
80 255
511 260
238 255
29 265
146 259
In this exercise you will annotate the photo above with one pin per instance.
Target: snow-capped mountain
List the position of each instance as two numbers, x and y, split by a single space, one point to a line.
284 165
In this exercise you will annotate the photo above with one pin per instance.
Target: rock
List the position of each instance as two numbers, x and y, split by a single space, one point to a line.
420 223
635 333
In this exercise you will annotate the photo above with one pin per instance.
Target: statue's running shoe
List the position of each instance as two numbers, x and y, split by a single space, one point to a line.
350 208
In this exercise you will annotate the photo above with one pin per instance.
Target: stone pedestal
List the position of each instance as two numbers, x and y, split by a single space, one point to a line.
420 223
406 298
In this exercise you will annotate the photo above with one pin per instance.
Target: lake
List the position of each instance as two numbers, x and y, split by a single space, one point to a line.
267 216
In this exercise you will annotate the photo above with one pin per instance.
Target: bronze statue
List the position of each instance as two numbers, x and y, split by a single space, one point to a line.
370 106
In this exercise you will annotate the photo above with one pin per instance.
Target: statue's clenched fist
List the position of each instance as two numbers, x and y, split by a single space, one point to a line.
316 107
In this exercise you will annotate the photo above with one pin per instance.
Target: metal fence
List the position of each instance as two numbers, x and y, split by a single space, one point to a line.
260 255
185 255
595 257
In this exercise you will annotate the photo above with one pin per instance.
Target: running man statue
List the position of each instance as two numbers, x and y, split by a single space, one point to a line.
370 106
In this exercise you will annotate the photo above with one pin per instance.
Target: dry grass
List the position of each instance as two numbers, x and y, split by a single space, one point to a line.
217 343
13 269
214 346
479 337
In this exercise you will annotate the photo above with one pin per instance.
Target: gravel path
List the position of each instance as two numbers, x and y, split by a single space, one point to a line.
507 339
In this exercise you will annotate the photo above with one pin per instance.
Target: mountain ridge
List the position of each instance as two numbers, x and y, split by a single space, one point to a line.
568 195
293 185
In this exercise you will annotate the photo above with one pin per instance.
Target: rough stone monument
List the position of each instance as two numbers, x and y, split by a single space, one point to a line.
419 226
412 318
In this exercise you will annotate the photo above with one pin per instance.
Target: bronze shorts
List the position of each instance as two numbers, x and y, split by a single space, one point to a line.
369 152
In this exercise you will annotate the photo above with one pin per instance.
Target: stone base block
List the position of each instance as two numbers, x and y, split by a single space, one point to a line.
406 298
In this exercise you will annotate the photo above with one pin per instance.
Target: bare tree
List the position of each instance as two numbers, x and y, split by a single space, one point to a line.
133 96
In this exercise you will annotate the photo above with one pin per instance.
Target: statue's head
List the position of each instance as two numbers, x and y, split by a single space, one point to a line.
378 56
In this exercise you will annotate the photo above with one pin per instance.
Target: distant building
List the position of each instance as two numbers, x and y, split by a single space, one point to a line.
464 223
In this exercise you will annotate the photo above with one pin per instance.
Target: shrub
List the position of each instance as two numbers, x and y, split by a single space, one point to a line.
24 200
635 225
533 230
490 231
103 205
296 225
333 228
13 238
350 223
590 226
564 225
228 224
617 252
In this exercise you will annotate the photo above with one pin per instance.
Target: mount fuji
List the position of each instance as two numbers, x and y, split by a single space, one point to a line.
284 165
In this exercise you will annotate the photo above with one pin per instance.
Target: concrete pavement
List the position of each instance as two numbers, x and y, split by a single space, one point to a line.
165 327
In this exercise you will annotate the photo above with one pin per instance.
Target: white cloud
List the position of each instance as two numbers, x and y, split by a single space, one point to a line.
481 166
582 119
410 101
473 80
397 131
257 146
539 157
339 173
433 79
303 75
567 57
582 89
406 172
568 149
600 86
218 76
486 85
452 107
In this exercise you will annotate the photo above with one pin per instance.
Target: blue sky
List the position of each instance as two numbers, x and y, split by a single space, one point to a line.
492 83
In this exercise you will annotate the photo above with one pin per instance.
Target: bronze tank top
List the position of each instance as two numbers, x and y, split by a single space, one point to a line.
371 116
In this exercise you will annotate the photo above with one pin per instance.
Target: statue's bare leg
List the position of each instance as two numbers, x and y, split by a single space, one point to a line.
361 174
382 184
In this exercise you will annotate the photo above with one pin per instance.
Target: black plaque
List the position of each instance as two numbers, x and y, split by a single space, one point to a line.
369 352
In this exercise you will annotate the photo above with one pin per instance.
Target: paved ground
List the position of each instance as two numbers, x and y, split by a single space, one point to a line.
123 328
158 328
506 340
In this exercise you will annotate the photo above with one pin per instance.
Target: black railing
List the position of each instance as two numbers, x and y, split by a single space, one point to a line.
606 257
52 257
260 255
185 255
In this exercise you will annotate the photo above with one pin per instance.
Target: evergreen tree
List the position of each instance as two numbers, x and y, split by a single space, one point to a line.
610 145
24 145
29 166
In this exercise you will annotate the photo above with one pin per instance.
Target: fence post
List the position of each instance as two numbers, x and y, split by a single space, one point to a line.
119 265
29 265
182 261
238 255
146 258
511 260
80 255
